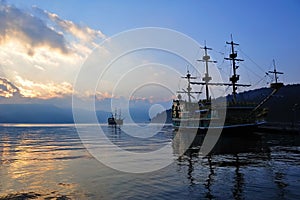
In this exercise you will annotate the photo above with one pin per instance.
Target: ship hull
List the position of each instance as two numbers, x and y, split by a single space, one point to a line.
230 141
230 130
113 121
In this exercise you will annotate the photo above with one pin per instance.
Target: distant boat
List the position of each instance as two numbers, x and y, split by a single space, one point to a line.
115 119
241 116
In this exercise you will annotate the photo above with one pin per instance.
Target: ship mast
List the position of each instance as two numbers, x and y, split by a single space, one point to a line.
188 90
206 78
275 86
120 114
234 78
275 72
115 113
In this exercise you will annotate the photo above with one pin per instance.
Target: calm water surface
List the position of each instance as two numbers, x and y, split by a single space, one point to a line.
50 162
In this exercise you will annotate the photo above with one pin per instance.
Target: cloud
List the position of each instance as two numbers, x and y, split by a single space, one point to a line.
82 37
15 24
81 32
7 89
47 90
40 52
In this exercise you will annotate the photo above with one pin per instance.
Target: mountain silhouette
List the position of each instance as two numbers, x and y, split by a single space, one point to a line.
284 106
43 113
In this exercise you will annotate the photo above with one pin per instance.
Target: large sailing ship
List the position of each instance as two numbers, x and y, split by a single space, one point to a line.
230 114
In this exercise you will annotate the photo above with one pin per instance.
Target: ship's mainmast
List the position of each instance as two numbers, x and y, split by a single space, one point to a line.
206 78
234 78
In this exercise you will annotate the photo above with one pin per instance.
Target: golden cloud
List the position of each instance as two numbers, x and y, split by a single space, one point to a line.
48 90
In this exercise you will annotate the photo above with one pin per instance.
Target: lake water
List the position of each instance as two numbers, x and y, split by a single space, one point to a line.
50 162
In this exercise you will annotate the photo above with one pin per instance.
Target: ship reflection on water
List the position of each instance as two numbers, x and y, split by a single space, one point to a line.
244 159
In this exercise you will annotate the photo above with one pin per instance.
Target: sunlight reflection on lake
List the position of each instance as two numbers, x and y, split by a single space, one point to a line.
51 162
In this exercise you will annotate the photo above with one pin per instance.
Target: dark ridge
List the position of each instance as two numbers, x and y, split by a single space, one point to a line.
43 113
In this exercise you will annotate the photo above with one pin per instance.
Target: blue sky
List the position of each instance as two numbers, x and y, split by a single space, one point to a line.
264 21
266 30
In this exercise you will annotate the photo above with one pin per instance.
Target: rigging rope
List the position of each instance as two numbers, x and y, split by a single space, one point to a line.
196 62
260 80
251 59
261 68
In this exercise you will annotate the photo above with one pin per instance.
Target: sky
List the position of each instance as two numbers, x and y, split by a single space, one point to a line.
44 44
